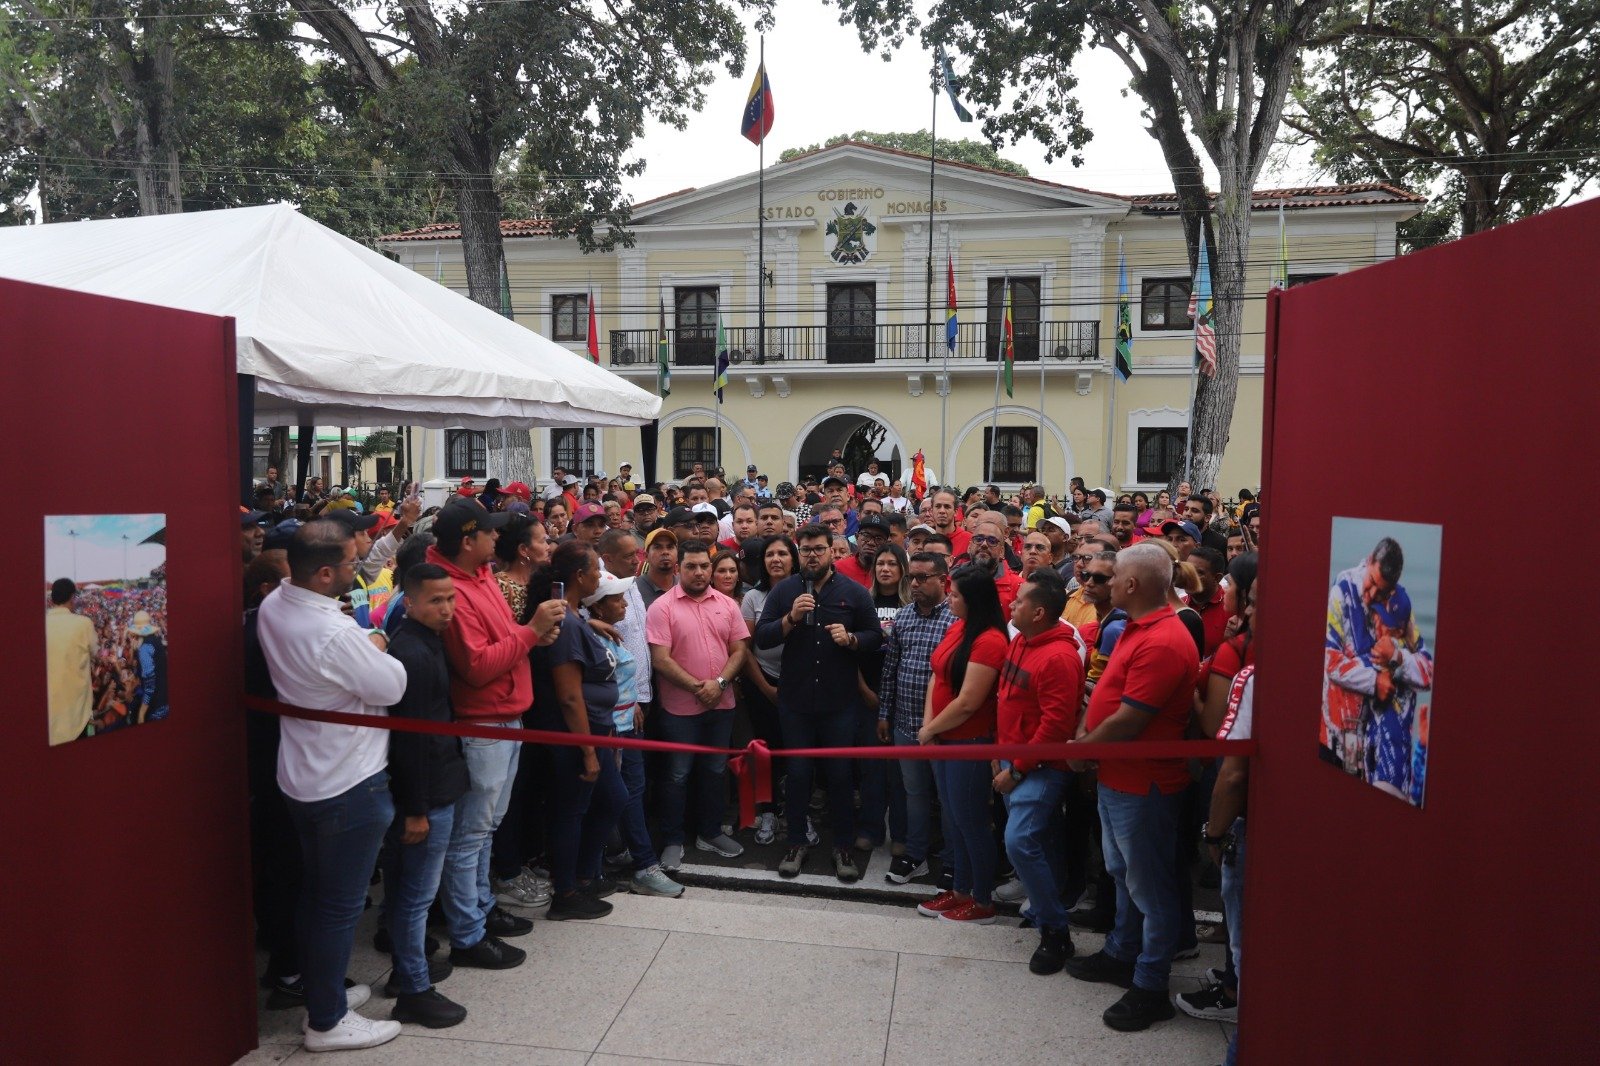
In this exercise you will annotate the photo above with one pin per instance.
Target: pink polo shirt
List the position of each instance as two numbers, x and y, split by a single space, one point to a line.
696 633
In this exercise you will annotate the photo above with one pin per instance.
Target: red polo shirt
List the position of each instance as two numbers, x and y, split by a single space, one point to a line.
1154 667
851 568
1214 618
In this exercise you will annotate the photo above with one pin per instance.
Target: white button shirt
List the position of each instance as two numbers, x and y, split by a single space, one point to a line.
321 660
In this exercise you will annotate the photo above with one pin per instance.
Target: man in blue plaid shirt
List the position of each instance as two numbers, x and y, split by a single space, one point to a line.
907 669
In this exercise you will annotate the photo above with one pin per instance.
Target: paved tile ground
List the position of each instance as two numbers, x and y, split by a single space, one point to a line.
740 977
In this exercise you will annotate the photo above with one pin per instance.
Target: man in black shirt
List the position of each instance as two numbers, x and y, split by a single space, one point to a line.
824 622
427 774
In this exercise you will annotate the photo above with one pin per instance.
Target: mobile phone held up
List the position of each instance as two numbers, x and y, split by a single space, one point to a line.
558 590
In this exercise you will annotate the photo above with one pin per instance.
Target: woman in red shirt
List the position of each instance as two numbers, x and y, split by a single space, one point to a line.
960 709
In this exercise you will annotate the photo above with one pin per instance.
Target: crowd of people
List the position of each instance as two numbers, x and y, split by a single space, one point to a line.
106 645
824 613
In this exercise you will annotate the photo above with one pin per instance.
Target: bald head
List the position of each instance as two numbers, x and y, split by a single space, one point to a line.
1141 579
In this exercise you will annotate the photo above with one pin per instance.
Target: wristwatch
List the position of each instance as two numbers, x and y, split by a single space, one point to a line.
1215 842
722 683
1016 776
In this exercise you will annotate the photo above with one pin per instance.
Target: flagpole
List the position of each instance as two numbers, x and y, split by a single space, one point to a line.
994 412
1038 449
927 327
761 233
1111 416
944 387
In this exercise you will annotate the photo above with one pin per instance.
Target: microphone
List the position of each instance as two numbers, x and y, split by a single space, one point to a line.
811 616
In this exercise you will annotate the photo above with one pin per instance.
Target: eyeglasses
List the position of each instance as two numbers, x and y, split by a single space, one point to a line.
984 538
815 549
1082 558
1098 579
924 577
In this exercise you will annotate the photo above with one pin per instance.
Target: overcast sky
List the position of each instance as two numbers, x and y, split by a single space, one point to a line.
823 84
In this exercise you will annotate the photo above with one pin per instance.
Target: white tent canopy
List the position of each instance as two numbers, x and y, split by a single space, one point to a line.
334 333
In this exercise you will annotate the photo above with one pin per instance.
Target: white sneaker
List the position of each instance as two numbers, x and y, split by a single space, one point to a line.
1011 892
357 995
766 827
723 845
524 890
353 1031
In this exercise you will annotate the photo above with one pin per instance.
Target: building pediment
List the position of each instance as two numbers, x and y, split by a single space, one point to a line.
891 185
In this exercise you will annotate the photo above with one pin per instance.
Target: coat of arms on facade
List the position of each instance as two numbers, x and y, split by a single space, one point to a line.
854 235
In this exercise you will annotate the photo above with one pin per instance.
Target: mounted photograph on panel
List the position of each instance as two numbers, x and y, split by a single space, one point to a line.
1378 652
105 622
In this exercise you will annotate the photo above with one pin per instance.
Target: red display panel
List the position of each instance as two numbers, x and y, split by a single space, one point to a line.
126 905
1454 387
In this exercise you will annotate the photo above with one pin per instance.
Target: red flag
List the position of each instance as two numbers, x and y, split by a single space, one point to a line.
594 332
919 475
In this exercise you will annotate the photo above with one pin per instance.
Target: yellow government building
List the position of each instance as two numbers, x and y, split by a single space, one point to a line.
847 361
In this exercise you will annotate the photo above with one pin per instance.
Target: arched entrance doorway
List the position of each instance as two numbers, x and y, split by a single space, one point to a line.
857 437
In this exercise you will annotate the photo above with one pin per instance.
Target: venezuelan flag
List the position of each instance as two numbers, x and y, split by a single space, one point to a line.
758 108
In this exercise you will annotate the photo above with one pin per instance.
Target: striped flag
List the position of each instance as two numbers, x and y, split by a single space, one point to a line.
1124 358
1202 309
1280 278
1008 339
947 76
720 382
663 355
950 323
919 475
594 331
757 121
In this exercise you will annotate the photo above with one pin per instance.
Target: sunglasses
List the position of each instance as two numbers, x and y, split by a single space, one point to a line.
983 538
1082 558
1098 579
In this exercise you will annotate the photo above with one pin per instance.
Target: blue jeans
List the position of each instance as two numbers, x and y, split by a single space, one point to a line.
1233 909
835 729
1139 839
583 814
965 789
916 775
635 836
1033 843
339 842
411 876
874 777
465 894
710 729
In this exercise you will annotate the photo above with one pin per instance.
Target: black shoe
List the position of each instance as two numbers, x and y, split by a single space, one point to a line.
428 1009
1055 948
502 922
381 941
438 970
1139 1008
1101 967
904 868
577 907
490 953
599 888
287 997
1093 919
947 881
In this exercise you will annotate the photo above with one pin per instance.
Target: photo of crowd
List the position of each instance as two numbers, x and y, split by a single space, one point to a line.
105 623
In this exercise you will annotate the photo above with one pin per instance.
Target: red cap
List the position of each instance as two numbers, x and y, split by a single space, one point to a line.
520 490
587 511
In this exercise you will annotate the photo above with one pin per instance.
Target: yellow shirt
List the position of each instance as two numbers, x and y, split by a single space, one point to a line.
1079 611
69 652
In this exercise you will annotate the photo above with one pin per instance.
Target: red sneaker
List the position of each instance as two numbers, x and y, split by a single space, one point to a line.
971 912
936 906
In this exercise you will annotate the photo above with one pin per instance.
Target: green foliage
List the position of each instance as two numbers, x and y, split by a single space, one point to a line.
1493 107
976 153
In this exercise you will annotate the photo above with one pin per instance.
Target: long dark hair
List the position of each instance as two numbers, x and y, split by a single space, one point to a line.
983 614
764 581
570 558
1242 575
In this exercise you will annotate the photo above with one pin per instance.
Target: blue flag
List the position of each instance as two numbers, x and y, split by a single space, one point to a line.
947 75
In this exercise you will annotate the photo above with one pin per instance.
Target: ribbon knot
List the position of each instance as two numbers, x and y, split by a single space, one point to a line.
753 768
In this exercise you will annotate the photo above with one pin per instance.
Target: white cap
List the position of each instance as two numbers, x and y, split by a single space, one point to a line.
610 585
705 508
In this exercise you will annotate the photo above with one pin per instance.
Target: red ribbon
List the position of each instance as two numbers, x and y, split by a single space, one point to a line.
752 764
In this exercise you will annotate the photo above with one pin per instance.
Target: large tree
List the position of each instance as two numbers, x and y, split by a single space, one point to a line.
1495 103
966 150
1212 74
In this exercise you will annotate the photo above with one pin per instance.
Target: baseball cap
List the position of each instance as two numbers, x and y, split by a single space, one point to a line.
586 512
248 517
835 479
519 489
921 527
281 534
624 466
601 475
679 516
1189 529
357 522
386 521
657 534
462 516
610 585
751 467
706 508
1057 521
873 521
570 479
644 499
785 488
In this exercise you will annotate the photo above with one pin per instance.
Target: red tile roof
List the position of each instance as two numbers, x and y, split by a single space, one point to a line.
1363 194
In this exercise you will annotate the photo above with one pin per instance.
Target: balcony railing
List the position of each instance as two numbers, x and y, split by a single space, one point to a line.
1068 341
